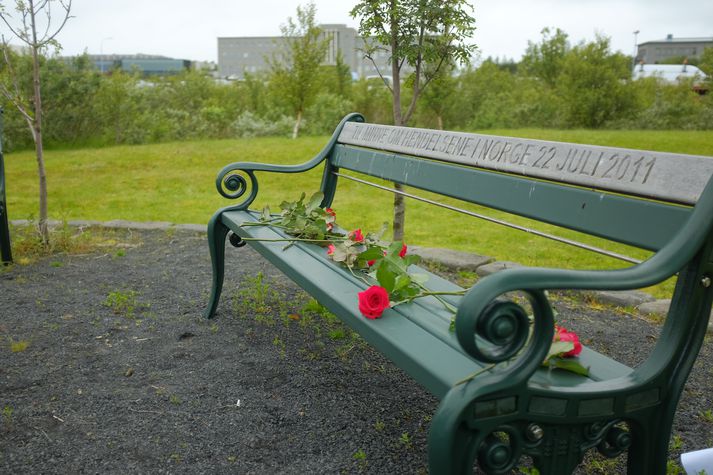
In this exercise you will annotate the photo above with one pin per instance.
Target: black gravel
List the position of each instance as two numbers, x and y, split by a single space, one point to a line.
122 375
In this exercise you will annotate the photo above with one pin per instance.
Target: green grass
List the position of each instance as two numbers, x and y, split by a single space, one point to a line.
176 182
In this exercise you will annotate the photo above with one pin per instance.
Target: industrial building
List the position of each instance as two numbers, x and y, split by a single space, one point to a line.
655 52
146 65
248 54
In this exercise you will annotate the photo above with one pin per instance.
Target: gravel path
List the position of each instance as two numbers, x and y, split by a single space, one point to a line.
121 375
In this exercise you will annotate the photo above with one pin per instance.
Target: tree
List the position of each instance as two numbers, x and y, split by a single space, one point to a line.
421 37
438 97
295 66
706 62
33 16
545 60
593 84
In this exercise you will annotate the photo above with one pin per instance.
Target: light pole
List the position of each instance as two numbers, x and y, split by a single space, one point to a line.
633 58
101 52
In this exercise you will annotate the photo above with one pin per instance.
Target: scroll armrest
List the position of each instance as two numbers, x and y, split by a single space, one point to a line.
494 331
232 180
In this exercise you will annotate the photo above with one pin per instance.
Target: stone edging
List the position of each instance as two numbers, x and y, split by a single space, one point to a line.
481 265
643 302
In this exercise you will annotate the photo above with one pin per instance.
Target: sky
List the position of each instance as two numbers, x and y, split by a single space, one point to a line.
188 29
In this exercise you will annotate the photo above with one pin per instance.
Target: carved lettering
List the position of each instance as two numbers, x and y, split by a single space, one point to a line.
615 161
643 173
526 154
495 152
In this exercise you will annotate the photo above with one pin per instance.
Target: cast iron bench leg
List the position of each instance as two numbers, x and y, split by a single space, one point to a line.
217 232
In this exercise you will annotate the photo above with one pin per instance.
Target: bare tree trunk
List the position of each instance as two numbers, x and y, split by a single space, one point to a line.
296 128
439 119
37 131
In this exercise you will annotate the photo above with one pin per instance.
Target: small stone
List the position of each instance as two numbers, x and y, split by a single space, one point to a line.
129 372
191 227
496 267
450 258
624 298
657 307
80 223
121 223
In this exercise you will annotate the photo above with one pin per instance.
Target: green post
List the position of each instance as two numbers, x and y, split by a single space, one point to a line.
5 251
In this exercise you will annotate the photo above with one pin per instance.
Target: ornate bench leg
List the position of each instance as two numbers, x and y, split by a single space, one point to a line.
648 453
217 232
451 444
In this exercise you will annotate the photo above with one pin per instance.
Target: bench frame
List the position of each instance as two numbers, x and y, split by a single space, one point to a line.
501 415
5 250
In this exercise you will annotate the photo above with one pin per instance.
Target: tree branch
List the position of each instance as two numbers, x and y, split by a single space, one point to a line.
4 17
378 71
13 76
67 7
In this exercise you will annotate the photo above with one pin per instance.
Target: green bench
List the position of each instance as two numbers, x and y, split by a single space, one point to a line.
656 201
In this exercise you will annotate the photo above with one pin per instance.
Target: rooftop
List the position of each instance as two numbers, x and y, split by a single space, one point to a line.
667 72
672 39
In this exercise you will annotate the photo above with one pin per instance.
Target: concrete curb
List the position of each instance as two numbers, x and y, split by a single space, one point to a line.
643 302
481 265
119 224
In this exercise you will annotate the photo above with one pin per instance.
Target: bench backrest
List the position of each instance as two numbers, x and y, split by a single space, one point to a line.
635 197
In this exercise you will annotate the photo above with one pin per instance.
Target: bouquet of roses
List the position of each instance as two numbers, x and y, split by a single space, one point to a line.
384 267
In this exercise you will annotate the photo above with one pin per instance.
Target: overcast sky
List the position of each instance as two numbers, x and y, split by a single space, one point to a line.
188 29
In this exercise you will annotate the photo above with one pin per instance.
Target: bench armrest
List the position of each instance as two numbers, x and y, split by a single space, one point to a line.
232 180
493 330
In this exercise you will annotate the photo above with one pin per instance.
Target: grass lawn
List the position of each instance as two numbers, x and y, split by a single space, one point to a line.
176 182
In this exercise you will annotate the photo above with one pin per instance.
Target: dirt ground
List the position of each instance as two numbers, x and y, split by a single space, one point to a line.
106 366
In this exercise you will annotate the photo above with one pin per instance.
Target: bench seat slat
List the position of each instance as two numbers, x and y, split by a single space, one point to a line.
405 334
638 222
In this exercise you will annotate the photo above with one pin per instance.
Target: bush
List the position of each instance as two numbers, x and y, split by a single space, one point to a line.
328 109
250 125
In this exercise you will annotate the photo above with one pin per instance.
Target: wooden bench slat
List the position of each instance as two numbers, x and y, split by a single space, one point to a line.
642 223
666 176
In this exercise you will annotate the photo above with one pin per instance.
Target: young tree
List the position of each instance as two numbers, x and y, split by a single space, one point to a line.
593 84
421 37
35 25
439 96
545 60
295 67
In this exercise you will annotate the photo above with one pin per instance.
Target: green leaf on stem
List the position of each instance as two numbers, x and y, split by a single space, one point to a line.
558 348
314 201
568 364
402 280
372 253
265 216
386 277
419 279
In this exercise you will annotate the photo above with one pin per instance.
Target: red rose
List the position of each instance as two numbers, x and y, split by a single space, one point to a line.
403 251
330 249
561 334
330 212
371 262
356 236
373 301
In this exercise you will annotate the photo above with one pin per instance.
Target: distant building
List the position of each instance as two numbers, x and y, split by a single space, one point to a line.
668 72
147 65
238 55
672 73
655 52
